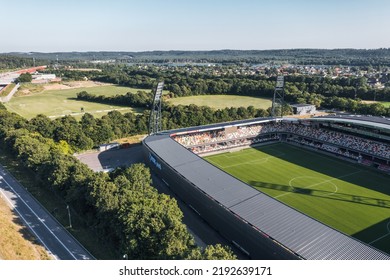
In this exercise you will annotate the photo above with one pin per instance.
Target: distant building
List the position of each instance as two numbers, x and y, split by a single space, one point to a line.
43 76
303 109
109 146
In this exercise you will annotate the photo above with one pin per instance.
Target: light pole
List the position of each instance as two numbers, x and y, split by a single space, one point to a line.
70 220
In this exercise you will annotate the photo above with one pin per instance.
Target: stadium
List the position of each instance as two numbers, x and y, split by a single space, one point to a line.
285 188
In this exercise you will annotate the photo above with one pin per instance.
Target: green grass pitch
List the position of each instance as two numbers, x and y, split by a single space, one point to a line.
346 196
55 103
222 101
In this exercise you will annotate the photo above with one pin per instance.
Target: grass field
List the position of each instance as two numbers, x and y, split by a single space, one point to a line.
343 195
58 102
386 104
222 101
7 90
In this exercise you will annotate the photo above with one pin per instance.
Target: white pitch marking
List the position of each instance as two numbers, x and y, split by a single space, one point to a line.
326 181
383 236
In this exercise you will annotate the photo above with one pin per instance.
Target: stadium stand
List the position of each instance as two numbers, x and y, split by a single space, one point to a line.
260 225
340 143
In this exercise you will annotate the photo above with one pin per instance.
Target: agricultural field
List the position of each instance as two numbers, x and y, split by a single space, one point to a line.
222 101
348 197
59 100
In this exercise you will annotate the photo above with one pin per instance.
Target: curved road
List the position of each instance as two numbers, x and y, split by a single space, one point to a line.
57 240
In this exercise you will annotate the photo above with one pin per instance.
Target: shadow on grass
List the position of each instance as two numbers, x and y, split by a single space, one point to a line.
331 166
24 230
377 235
382 203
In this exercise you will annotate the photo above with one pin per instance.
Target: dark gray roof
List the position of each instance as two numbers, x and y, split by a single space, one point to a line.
220 125
370 121
303 235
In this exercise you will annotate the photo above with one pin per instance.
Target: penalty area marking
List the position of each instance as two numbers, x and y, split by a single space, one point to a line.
383 236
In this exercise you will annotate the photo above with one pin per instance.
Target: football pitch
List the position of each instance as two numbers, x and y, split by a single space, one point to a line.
348 197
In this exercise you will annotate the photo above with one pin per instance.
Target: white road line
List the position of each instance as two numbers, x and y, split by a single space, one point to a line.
27 224
40 220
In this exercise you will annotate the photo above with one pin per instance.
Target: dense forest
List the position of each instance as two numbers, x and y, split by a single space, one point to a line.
14 61
123 207
358 57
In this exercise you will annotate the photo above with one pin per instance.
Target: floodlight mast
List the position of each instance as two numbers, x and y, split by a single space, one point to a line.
155 112
278 99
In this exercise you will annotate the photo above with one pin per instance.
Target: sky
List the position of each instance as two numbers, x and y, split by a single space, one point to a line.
146 25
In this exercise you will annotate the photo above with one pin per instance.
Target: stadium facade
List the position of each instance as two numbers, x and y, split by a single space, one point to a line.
256 223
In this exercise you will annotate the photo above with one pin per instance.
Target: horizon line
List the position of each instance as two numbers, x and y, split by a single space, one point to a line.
183 50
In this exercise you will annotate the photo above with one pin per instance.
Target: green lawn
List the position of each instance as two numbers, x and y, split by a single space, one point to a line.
55 103
222 101
351 198
7 90
386 104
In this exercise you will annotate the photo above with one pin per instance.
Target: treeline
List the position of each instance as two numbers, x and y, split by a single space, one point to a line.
15 61
338 94
138 99
180 83
298 56
70 75
123 207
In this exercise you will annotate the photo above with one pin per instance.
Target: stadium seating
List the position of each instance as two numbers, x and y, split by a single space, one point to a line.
328 140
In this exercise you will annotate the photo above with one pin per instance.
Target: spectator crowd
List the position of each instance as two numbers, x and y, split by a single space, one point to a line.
329 140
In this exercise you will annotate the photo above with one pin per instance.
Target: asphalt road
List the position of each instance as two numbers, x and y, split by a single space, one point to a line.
57 240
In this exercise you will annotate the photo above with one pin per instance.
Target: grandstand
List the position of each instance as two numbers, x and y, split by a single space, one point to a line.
259 225
353 143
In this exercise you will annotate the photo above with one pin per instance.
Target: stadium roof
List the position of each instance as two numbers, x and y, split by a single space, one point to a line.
368 121
303 235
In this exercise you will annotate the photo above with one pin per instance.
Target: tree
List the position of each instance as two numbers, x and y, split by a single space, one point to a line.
152 228
218 252
139 177
103 193
43 125
32 151
24 78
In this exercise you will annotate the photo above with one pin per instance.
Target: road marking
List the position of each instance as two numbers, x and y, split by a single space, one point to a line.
32 211
27 224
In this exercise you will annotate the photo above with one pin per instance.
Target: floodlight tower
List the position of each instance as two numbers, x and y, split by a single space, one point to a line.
278 100
155 112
